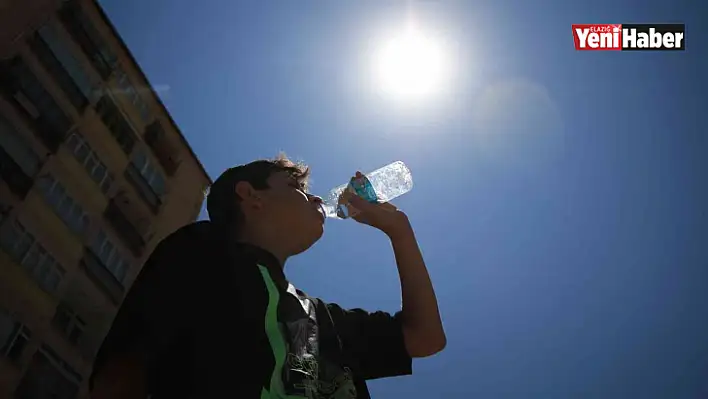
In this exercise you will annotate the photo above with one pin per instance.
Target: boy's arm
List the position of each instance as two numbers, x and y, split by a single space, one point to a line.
420 318
422 327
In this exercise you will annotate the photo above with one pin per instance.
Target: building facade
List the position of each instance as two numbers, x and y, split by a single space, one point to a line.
94 172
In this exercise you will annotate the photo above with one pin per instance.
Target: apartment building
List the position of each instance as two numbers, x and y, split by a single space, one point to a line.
94 172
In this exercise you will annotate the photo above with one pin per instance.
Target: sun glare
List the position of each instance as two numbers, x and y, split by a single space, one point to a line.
411 66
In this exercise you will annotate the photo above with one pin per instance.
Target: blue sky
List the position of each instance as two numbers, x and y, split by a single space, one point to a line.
560 196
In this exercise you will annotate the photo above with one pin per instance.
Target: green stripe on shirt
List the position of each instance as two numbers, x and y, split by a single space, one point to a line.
277 342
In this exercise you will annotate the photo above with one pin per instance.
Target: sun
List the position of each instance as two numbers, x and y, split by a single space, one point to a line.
411 66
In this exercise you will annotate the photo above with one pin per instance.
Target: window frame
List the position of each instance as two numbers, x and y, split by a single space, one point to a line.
114 260
57 197
150 170
132 94
18 331
79 142
46 263
74 322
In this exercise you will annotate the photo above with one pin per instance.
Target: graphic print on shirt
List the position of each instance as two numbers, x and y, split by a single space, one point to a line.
301 371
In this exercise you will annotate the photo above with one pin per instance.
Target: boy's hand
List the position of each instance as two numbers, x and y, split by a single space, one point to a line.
385 217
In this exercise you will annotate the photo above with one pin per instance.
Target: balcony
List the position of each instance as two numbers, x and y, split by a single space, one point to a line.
143 187
50 137
118 214
97 271
162 148
39 110
85 34
13 175
119 127
53 56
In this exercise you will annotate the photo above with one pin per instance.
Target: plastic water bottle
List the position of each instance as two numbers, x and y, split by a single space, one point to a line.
379 186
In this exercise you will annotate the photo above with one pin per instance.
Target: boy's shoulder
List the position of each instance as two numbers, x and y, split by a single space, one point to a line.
193 233
193 241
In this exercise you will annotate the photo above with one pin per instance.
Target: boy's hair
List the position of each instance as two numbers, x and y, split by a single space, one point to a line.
223 202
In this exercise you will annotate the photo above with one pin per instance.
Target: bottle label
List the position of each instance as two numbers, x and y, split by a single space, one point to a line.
361 187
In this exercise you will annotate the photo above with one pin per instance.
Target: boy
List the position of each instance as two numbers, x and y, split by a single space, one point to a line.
212 314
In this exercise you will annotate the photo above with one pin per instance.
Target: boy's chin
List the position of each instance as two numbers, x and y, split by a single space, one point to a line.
305 245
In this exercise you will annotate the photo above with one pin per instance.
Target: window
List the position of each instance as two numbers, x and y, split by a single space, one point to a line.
132 94
108 253
64 206
36 103
25 250
12 174
147 178
62 65
116 123
18 148
88 38
69 323
150 172
88 158
13 337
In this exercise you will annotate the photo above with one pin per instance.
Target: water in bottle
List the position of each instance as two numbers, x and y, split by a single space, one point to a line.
381 185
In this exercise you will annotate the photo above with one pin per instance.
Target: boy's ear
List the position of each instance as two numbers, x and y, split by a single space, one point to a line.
249 196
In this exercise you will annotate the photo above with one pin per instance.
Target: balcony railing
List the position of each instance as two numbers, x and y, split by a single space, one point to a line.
143 187
98 272
17 180
163 150
125 228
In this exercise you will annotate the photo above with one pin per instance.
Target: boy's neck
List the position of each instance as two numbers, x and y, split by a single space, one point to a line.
265 243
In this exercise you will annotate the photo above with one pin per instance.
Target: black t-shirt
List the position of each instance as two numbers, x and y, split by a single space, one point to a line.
215 320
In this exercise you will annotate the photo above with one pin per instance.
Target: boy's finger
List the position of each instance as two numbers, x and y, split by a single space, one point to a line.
388 206
360 203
